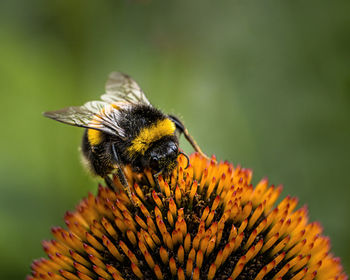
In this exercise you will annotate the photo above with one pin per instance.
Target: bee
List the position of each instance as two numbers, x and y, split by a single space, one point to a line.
125 129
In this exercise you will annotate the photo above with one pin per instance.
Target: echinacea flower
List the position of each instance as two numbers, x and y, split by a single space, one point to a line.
206 222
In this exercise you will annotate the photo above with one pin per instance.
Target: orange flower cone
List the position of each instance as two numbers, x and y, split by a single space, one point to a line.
205 222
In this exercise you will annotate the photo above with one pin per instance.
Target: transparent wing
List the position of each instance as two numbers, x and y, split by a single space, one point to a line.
122 88
94 114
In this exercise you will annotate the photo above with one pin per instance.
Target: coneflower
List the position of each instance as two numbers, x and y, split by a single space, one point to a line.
205 222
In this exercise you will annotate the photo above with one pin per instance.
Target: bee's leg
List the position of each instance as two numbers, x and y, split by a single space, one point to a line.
182 129
187 158
109 183
155 178
121 175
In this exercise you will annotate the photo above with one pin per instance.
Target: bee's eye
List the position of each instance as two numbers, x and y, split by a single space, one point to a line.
154 164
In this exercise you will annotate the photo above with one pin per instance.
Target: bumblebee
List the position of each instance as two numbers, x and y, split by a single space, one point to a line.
125 129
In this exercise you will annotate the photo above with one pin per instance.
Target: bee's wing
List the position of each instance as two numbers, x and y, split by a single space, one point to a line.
122 88
94 114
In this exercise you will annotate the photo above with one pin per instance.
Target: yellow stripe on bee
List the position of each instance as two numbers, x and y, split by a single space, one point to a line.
95 137
150 134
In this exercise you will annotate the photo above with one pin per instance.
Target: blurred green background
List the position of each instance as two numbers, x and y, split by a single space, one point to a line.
261 83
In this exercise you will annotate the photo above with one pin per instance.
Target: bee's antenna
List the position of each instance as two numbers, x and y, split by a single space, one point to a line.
186 156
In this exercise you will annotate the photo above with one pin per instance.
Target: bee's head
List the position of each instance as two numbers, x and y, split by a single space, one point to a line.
162 155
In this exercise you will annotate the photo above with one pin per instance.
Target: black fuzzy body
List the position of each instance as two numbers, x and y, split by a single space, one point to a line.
100 158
